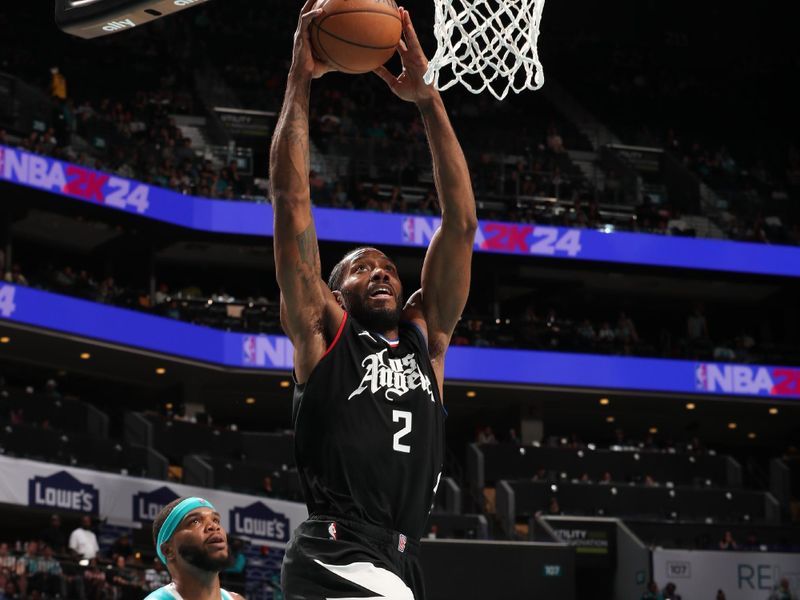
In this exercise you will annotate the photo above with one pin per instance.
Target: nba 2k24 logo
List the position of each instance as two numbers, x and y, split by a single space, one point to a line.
746 379
394 375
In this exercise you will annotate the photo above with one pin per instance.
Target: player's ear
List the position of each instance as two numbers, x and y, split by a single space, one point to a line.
168 548
339 298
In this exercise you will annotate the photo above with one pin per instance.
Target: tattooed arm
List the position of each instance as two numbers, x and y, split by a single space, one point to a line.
310 315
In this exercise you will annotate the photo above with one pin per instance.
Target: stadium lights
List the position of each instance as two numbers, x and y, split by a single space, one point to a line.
653 430
604 401
690 406
285 383
732 426
5 339
250 400
773 410
168 406
85 356
751 435
471 393
609 419
160 371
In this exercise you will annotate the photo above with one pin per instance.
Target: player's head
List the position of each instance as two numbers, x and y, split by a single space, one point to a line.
366 284
187 533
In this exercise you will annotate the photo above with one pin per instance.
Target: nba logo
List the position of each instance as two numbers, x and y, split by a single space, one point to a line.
408 230
401 543
701 376
249 350
332 530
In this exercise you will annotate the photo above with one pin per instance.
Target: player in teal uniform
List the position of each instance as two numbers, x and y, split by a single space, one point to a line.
191 542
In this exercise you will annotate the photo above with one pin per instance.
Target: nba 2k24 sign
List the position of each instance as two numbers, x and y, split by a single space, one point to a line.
62 491
515 238
258 522
147 505
752 380
78 182
396 376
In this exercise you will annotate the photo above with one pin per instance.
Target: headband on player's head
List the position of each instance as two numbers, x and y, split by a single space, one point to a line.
174 518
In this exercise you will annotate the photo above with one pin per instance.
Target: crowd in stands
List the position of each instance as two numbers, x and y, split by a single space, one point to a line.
373 153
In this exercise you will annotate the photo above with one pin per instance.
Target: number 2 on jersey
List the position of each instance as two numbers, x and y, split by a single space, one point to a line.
405 416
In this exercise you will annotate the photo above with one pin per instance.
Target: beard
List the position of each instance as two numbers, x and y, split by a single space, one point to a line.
378 320
198 557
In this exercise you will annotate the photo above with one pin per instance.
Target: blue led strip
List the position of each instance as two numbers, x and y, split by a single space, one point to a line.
358 227
492 365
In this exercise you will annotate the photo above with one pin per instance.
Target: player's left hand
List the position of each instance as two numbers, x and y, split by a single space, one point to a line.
409 85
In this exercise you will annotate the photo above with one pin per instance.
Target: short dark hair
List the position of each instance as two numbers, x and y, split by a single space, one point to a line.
158 523
336 277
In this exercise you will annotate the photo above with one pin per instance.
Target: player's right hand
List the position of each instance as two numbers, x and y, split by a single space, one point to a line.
304 63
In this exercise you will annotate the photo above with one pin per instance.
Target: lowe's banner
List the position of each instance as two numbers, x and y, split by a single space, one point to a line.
274 352
740 575
134 501
225 216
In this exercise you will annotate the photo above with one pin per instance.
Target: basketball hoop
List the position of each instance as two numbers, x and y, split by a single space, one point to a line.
487 44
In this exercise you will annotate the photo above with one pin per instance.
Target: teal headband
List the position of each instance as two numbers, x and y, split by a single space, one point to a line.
174 518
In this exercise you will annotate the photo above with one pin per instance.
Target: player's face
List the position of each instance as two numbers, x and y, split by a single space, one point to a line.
201 541
372 290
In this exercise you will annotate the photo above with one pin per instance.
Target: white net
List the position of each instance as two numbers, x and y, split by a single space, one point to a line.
487 44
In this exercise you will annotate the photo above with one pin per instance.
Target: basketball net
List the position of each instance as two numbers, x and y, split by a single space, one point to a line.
487 44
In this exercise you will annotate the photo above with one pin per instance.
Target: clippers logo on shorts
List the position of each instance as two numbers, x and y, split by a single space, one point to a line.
269 351
395 376
401 543
259 522
332 530
62 491
147 505
746 379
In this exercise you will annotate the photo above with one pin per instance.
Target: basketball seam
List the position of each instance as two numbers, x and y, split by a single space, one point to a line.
324 51
341 39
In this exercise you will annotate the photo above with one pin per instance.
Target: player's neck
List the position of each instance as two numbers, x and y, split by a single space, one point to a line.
390 335
198 585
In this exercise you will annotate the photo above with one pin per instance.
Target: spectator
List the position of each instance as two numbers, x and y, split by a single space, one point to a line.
238 559
126 579
720 595
122 547
782 591
27 565
156 576
47 576
727 542
606 479
486 436
94 581
605 334
83 541
670 593
652 592
696 325
58 84
553 507
8 562
53 535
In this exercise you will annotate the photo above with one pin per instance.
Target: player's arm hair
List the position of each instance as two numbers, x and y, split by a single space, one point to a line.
297 262
446 270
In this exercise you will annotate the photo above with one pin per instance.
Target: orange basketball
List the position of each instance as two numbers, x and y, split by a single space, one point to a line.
356 36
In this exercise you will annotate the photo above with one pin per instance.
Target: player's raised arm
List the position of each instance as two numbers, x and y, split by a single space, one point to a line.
307 305
446 270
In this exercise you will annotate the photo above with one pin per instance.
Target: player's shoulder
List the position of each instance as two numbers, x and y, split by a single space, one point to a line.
162 593
232 596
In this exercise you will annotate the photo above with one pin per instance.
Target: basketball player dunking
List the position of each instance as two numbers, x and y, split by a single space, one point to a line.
368 413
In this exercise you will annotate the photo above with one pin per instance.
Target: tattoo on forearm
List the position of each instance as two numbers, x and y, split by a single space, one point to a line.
308 248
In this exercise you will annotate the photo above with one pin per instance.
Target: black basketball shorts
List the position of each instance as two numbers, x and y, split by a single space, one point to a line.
329 557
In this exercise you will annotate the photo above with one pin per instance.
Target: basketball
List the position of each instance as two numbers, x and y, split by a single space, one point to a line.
356 36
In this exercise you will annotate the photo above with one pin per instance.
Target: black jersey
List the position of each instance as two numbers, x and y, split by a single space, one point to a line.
369 430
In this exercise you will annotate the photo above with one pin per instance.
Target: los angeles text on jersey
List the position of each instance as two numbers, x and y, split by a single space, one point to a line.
56 176
748 379
395 376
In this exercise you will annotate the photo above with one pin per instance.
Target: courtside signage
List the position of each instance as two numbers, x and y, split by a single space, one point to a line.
133 329
363 227
147 505
257 521
62 491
